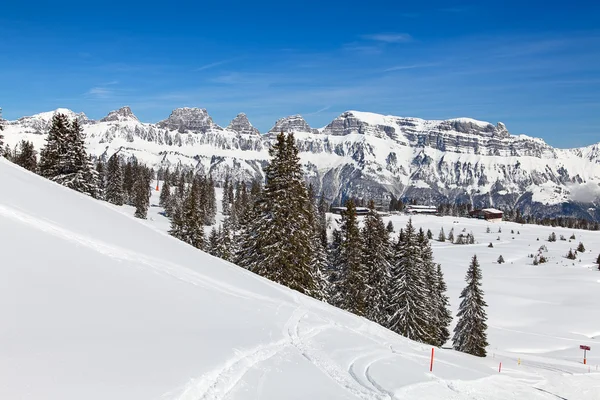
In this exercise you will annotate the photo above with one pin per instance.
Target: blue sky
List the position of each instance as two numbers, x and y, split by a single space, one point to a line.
532 65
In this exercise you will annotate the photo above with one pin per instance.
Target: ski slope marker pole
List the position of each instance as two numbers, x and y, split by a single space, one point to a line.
431 363
500 367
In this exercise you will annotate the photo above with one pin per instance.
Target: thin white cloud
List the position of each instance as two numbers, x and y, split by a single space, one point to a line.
389 37
99 92
212 65
318 111
409 66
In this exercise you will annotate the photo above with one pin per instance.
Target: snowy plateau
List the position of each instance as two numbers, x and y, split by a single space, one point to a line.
97 305
360 154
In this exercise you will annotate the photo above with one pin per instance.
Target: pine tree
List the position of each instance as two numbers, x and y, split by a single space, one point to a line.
319 253
442 236
353 282
225 205
1 137
141 193
376 255
451 236
76 170
408 308
322 209
571 255
470 332
186 224
581 248
164 199
500 260
390 227
114 181
213 242
277 242
27 156
443 316
427 270
429 234
101 171
56 147
335 270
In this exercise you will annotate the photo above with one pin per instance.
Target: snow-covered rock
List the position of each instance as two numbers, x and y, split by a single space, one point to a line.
293 123
122 114
241 124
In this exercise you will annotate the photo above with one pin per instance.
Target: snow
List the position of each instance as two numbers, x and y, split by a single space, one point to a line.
99 305
492 210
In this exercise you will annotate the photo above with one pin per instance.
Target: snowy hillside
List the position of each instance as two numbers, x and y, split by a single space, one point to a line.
99 305
360 154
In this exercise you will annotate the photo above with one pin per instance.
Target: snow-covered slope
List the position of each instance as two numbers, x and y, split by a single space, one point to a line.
360 154
98 305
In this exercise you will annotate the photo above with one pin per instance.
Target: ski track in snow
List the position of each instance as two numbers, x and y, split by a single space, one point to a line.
159 266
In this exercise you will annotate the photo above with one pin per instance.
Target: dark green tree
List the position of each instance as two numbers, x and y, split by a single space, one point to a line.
27 156
470 332
443 316
376 264
277 242
353 282
141 193
114 181
408 309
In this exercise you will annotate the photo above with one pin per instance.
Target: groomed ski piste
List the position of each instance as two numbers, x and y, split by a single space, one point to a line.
96 304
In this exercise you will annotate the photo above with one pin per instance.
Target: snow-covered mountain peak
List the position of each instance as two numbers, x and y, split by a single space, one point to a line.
292 123
242 125
189 119
122 114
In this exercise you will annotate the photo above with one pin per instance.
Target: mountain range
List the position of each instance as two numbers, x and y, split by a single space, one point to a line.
359 154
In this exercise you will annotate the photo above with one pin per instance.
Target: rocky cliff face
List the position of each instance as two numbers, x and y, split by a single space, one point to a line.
359 154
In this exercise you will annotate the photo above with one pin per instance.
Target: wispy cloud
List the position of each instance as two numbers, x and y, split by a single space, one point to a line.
409 66
389 37
99 93
318 111
213 65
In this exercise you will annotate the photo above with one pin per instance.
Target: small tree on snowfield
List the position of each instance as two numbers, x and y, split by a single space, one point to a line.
451 235
581 248
442 236
500 260
390 227
571 255
470 332
429 234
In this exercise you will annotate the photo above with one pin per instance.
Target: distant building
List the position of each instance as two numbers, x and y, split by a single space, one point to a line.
489 214
416 209
359 210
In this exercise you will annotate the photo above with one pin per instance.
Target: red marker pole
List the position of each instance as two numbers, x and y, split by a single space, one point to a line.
431 363
500 367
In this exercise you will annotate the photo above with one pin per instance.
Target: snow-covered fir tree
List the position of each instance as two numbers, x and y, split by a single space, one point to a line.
352 283
101 171
277 242
442 235
187 220
26 156
376 261
64 158
408 308
114 181
164 199
428 270
470 332
55 148
319 252
225 204
141 193
443 315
